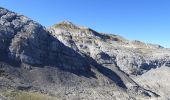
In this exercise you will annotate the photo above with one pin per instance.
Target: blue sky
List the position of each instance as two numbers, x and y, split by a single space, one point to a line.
145 20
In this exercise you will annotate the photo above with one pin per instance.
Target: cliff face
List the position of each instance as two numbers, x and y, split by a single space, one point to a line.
25 41
132 57
67 61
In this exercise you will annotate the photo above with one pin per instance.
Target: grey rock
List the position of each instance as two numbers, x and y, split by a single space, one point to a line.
74 62
2 98
112 51
24 87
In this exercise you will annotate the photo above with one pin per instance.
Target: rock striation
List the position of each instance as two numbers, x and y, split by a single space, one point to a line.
71 62
132 57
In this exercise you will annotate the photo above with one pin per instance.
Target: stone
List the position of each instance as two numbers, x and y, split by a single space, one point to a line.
70 61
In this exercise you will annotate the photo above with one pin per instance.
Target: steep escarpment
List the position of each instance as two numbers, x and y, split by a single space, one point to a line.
26 41
67 61
29 53
119 55
33 60
130 56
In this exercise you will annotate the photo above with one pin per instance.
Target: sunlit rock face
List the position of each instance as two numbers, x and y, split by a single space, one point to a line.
132 57
26 41
67 61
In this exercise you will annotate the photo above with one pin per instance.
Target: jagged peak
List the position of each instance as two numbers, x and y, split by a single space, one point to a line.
66 22
2 8
68 25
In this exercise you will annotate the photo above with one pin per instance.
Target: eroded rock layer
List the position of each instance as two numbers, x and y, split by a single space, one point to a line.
71 62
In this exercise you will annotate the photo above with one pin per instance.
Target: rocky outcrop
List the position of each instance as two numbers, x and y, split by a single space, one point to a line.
73 62
26 41
113 52
132 57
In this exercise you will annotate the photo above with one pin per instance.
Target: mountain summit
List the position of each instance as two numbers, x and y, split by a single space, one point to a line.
67 61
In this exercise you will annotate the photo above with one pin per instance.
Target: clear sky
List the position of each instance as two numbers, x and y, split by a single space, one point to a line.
145 20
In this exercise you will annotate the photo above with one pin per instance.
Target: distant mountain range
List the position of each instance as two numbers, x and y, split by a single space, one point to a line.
70 62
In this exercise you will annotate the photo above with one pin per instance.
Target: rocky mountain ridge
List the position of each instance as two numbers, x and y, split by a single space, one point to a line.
67 61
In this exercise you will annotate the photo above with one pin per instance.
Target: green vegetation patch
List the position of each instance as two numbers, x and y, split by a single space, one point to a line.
27 95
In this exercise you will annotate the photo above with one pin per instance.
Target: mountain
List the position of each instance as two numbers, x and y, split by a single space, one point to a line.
71 62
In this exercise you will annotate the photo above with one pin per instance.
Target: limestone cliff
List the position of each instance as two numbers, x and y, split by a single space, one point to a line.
66 61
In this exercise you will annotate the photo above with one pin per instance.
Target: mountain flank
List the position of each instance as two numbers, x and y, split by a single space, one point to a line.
71 62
